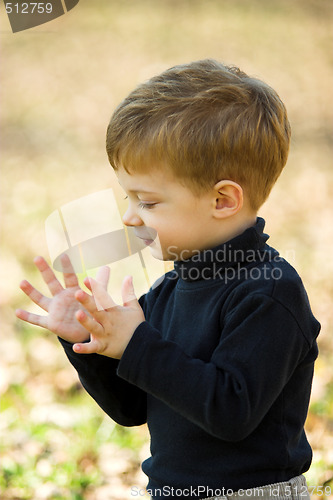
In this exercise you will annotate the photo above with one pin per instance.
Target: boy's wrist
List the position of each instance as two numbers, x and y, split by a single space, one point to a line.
131 361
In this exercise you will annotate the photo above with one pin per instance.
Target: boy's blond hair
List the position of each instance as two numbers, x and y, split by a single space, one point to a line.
206 122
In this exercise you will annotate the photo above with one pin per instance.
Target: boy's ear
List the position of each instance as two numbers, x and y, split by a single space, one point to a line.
228 199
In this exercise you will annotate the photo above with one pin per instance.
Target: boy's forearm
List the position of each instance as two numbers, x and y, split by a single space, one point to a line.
122 401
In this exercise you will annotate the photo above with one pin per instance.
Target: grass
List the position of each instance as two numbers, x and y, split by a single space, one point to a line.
53 445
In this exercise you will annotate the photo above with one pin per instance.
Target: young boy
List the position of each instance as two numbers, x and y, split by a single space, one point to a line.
218 359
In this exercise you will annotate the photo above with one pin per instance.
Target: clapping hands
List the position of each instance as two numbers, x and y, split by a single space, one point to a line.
93 322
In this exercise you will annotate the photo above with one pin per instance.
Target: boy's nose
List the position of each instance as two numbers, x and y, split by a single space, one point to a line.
131 218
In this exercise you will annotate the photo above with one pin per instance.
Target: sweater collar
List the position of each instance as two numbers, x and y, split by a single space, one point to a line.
240 250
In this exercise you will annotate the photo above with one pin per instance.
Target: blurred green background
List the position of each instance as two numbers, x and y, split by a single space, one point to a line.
60 83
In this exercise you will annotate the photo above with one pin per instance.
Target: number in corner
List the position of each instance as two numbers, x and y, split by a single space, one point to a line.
28 8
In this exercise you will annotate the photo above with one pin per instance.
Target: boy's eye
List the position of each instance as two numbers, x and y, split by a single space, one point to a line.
146 205
142 204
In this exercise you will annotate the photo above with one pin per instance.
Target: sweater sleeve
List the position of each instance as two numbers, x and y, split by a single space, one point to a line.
125 403
261 345
122 401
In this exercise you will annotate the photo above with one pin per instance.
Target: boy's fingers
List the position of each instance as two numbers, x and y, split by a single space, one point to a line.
70 277
35 295
86 300
48 275
101 297
127 291
94 328
86 281
86 348
103 275
88 322
33 319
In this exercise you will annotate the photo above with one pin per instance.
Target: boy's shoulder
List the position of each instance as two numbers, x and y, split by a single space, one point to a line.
279 286
270 276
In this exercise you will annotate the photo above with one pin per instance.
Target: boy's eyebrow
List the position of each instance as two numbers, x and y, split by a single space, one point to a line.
137 190
141 191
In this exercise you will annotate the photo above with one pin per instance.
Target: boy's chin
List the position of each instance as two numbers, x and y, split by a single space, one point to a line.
157 252
160 254
172 253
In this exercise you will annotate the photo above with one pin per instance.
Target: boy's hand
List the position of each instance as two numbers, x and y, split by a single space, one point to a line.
111 326
62 306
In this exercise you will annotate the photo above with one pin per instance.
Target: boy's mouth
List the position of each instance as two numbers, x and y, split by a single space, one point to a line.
146 234
148 242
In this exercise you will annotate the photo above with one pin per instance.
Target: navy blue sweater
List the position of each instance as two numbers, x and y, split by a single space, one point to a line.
221 371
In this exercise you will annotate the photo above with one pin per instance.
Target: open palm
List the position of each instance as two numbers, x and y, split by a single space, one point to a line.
62 306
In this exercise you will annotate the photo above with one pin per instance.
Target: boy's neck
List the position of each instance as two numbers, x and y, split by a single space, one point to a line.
238 227
232 227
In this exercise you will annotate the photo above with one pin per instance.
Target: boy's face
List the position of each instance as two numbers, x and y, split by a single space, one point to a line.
158 203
